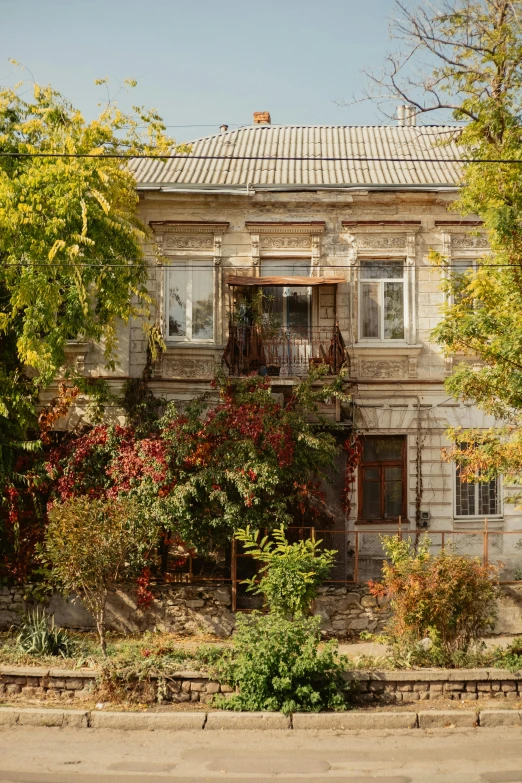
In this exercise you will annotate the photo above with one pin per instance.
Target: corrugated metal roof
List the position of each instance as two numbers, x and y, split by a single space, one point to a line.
267 143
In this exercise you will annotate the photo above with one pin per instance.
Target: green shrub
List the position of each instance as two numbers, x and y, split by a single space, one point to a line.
93 544
276 664
448 599
37 637
291 573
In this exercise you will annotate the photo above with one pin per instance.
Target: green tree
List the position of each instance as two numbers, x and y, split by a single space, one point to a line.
474 53
92 545
71 243
71 264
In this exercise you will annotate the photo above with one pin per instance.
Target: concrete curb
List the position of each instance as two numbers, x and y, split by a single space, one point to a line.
354 721
254 721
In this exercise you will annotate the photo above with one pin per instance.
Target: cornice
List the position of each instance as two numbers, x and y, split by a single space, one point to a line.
188 227
285 227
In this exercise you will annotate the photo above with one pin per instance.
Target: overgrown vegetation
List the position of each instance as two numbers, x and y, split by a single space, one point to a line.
441 604
276 661
276 664
290 574
203 473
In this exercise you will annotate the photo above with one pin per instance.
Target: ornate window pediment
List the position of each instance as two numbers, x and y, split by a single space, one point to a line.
280 239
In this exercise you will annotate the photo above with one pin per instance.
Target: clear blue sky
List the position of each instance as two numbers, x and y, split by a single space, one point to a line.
205 62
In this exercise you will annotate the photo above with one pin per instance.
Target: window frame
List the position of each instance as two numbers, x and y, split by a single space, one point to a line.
403 463
189 264
381 281
475 517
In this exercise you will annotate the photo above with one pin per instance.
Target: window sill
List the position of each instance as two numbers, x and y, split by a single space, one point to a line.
378 346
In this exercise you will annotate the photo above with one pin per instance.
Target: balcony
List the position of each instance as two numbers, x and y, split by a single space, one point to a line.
283 352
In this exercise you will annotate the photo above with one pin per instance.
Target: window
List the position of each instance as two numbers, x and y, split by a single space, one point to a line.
459 273
291 305
476 500
382 479
381 300
190 302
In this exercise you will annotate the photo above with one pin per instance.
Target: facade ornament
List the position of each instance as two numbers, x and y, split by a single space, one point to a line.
255 249
218 245
470 241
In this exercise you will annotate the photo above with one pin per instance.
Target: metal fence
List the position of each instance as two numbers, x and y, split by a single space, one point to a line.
360 556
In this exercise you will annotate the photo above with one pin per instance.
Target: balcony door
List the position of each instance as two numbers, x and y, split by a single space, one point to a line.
288 317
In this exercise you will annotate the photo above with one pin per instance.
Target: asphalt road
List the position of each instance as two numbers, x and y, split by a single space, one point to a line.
45 755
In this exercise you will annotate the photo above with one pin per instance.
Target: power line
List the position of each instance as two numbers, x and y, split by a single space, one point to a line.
230 269
190 157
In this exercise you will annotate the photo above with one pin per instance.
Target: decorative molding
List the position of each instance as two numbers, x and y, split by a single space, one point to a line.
188 243
383 361
469 242
285 238
285 243
383 368
187 235
278 227
187 227
255 249
75 356
381 241
188 368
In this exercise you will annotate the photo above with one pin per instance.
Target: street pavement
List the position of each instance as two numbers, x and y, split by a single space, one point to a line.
65 755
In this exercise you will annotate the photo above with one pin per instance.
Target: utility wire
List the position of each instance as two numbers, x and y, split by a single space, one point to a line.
282 267
190 157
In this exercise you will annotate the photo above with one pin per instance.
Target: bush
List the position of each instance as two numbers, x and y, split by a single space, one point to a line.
94 544
447 598
37 637
291 573
277 665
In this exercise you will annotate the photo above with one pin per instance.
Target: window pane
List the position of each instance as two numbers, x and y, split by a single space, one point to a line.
393 311
371 505
464 497
298 301
392 499
382 449
488 497
372 474
177 302
370 309
377 270
202 303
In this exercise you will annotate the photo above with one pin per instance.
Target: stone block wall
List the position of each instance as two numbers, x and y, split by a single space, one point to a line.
193 609
345 610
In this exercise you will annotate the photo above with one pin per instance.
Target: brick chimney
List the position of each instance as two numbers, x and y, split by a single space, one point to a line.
262 118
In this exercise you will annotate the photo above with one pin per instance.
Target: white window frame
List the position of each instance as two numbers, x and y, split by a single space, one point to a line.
382 280
187 338
473 517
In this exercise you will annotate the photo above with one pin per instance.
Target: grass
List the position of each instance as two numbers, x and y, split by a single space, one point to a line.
148 650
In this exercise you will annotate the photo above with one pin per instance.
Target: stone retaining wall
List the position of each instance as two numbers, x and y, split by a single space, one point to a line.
193 609
377 687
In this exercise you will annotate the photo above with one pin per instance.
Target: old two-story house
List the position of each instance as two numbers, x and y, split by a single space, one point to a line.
327 229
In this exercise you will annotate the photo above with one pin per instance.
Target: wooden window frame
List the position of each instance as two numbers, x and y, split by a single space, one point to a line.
381 465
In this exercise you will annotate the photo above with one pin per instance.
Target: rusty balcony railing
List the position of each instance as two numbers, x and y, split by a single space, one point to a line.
283 351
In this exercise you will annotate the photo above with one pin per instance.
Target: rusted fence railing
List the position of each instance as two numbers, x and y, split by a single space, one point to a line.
360 557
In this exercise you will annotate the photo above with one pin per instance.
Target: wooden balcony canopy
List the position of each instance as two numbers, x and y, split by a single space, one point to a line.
243 280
